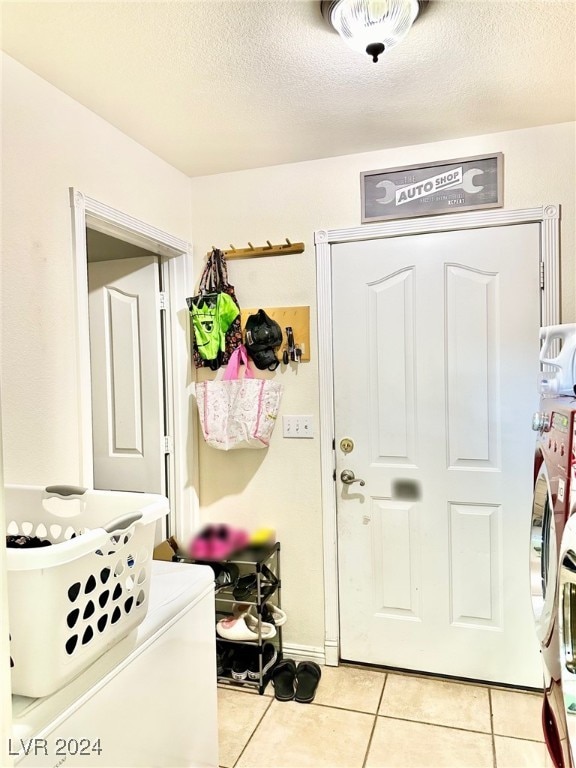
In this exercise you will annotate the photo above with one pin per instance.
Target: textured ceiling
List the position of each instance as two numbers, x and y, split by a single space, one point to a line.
232 84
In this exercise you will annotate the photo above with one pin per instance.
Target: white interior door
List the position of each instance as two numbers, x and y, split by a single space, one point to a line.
435 367
127 380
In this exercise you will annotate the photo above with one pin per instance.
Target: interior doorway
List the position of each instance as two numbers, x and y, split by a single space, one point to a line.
130 440
167 265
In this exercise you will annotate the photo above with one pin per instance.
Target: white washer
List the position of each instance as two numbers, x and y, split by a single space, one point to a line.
148 702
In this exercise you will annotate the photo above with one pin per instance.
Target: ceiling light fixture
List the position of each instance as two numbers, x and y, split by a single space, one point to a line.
371 26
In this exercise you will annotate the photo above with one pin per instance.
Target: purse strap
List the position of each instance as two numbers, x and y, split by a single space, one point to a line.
221 268
232 371
215 275
205 279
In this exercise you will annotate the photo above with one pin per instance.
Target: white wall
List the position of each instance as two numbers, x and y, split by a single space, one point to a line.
50 143
282 487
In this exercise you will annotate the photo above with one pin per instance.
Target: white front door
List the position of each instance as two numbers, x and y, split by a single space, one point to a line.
435 369
127 380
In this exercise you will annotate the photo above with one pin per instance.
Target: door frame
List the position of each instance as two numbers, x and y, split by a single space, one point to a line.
177 265
547 216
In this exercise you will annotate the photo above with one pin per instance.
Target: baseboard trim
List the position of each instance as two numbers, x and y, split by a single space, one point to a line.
304 653
331 653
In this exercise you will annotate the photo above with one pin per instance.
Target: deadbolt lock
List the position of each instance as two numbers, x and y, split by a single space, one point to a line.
346 445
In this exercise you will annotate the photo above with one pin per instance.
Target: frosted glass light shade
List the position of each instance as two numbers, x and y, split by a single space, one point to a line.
373 26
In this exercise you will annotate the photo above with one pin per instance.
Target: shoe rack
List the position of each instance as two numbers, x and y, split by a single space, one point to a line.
264 564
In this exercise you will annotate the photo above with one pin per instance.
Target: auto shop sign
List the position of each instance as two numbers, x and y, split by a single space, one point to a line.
447 187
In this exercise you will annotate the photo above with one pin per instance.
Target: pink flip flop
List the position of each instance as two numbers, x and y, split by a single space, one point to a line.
201 545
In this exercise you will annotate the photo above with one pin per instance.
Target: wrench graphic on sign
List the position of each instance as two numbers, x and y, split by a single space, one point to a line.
467 185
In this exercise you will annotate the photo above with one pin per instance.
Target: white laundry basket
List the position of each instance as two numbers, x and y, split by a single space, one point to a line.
71 601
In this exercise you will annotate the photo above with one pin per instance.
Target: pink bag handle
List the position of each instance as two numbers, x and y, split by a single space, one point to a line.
233 368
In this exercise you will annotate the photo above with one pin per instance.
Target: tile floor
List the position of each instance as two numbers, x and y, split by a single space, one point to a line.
364 718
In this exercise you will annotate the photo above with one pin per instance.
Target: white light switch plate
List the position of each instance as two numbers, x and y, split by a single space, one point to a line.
297 426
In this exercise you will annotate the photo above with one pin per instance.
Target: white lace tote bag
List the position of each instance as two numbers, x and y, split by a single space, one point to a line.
238 411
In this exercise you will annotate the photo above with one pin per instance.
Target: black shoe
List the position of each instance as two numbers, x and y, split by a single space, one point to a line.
223 659
269 657
242 657
225 575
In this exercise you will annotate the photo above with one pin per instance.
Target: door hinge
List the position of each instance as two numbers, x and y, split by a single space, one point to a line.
541 275
334 475
163 300
167 444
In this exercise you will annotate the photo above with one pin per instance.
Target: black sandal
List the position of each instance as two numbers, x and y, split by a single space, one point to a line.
283 679
246 587
308 674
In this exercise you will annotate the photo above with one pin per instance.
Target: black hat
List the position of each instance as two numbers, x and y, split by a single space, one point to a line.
263 335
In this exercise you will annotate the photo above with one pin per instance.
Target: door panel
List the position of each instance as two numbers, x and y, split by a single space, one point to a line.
123 362
396 578
471 366
475 541
127 384
435 367
392 390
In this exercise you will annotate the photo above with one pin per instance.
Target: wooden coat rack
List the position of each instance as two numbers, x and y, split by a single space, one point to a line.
264 250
